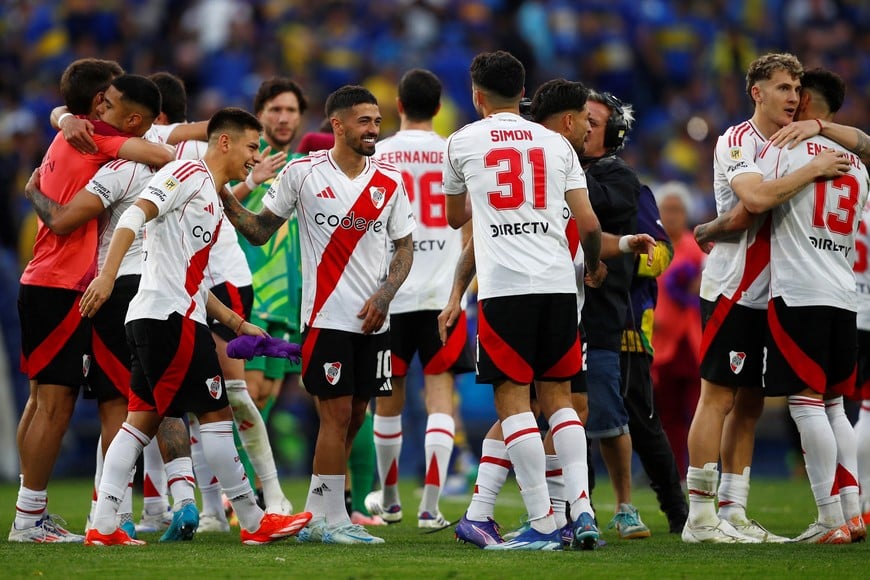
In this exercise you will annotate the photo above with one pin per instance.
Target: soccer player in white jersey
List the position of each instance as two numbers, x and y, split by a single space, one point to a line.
513 178
349 207
175 368
419 153
812 344
734 290
862 426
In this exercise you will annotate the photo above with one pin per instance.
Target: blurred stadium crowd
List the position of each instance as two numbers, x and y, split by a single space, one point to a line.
681 63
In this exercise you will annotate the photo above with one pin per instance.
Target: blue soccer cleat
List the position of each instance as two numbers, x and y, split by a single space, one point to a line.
585 532
531 539
481 534
184 524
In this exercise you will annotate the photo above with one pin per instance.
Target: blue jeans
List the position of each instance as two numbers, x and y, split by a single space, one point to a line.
607 415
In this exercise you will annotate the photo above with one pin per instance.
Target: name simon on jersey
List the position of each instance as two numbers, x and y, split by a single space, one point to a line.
519 228
348 222
499 135
399 157
829 245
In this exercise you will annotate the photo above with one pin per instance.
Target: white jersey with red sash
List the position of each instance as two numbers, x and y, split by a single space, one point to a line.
177 242
345 229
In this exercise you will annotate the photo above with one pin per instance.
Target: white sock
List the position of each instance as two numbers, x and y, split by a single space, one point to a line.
125 509
438 445
255 438
526 451
847 457
154 486
98 474
491 475
820 454
314 500
569 440
30 507
182 484
118 467
733 496
335 510
220 452
388 446
862 435
556 489
209 486
702 484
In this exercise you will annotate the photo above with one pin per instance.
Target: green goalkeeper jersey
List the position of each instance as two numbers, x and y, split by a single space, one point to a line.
276 266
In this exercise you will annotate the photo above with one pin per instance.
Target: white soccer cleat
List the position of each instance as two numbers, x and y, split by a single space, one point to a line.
722 532
755 530
390 514
348 534
284 507
213 523
48 530
819 533
430 521
154 523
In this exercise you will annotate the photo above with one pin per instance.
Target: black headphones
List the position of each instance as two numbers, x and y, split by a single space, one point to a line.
616 129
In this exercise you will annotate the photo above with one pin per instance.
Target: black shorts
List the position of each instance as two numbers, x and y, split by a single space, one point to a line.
175 367
862 386
732 343
810 347
239 300
55 339
337 363
417 332
527 338
110 371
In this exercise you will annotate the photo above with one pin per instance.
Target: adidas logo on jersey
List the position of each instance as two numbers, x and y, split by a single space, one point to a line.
332 370
327 193
210 208
736 360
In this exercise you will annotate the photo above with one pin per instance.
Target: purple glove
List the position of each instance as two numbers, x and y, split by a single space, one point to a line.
248 347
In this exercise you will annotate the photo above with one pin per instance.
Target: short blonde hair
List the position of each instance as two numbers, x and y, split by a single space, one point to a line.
763 67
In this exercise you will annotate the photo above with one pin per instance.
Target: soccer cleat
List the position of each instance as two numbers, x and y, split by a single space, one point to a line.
857 529
375 504
531 539
819 533
349 534
284 507
129 528
628 524
275 527
117 538
313 532
526 526
567 533
586 533
430 521
361 519
481 534
722 532
184 524
212 523
48 530
755 530
150 523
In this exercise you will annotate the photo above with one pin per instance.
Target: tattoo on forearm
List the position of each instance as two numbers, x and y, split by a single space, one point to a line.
43 206
173 439
400 265
257 228
465 270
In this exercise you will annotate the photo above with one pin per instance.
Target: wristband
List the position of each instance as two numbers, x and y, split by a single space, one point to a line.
239 327
62 117
249 181
821 127
625 244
